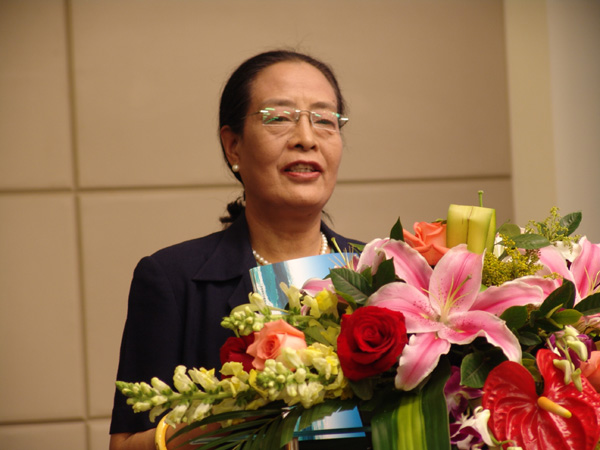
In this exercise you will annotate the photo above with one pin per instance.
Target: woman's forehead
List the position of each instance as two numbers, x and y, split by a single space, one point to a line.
290 83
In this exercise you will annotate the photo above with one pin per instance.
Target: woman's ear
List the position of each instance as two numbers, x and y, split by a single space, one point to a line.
230 141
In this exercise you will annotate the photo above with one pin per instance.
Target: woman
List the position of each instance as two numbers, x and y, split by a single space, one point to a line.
280 119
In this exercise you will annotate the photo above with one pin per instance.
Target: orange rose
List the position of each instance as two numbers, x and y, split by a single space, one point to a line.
591 369
429 240
269 341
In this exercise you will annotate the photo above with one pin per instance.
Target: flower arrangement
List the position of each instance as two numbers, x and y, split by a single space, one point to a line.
456 336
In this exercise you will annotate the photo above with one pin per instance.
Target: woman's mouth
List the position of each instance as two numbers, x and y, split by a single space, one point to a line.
302 168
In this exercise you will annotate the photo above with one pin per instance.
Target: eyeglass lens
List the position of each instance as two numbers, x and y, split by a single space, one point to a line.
285 116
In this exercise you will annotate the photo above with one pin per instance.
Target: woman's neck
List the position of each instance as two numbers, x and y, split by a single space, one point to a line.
280 237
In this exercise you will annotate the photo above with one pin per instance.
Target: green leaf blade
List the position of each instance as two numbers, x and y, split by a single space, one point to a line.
397 232
571 222
352 284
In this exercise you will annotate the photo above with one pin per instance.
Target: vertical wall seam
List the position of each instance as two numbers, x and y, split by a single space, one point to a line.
70 50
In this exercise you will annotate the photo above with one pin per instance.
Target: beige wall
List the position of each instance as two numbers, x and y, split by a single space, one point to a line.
108 151
554 102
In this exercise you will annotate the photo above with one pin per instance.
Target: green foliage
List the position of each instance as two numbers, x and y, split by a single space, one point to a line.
511 265
385 274
397 232
271 427
589 305
529 241
477 365
515 263
556 228
354 287
515 317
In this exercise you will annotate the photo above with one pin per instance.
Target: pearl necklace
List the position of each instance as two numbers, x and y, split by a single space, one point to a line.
263 262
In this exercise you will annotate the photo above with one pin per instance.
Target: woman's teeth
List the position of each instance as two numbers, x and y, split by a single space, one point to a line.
300 168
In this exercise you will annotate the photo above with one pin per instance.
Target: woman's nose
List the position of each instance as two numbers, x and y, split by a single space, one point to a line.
303 134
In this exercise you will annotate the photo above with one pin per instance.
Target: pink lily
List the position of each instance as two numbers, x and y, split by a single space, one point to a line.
584 271
443 306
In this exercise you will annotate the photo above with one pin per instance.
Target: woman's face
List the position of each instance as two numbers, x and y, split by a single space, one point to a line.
288 167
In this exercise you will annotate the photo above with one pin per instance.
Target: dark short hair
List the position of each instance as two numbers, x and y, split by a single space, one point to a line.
235 99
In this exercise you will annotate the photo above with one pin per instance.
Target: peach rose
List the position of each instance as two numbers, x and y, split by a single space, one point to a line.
269 341
429 240
591 369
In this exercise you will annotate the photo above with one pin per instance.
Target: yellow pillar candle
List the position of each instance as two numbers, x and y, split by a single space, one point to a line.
471 225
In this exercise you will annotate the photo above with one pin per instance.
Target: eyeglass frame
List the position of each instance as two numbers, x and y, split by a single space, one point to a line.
311 114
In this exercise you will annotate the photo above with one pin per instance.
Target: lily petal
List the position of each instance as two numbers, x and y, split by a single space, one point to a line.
410 301
465 327
497 299
313 286
409 264
371 256
586 269
418 359
456 280
554 261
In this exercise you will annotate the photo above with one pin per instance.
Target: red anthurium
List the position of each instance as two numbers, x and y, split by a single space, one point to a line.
518 414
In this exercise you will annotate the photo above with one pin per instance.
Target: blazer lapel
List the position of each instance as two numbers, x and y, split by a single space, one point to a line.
231 261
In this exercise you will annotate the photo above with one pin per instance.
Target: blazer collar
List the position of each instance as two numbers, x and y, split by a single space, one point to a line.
232 257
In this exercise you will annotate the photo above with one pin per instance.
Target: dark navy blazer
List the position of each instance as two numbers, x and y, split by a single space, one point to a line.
177 299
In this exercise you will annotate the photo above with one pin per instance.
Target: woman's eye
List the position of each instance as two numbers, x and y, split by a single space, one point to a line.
324 120
277 119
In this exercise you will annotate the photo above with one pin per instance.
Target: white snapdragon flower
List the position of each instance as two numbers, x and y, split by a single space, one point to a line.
176 414
293 295
235 369
310 393
290 358
161 386
205 378
256 300
182 382
198 411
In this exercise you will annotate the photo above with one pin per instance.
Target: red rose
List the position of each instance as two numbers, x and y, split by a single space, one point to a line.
371 341
234 350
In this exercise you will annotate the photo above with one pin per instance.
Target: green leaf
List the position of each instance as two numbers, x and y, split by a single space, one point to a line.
548 325
564 297
530 241
434 409
476 367
528 339
566 316
289 425
384 430
571 222
515 317
351 283
363 389
355 247
386 273
397 232
349 299
272 435
589 305
255 421
314 332
509 229
415 420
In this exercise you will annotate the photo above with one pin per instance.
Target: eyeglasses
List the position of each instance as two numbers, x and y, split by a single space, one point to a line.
284 116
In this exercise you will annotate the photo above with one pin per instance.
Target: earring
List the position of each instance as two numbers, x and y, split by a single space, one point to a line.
235 168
